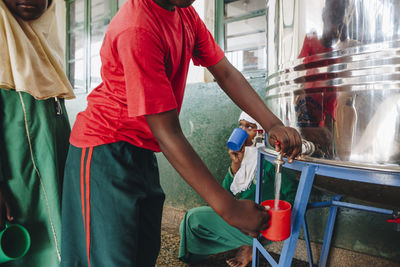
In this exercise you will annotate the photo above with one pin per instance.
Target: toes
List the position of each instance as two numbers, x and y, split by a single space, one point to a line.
234 263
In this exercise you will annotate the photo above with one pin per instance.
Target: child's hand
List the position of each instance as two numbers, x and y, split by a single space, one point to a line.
285 139
237 157
248 217
4 207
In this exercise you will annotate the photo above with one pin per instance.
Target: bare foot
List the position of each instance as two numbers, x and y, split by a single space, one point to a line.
242 257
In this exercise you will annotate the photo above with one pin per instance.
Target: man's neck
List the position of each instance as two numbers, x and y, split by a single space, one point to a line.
165 4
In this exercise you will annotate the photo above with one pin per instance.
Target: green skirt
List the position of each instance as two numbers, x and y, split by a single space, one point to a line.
33 149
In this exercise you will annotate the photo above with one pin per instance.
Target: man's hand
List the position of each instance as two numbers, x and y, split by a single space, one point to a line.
248 216
286 140
5 211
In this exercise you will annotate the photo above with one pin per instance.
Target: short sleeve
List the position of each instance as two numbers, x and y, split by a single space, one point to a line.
148 89
226 183
206 51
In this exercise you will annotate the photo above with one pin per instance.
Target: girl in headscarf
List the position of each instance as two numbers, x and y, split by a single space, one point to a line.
34 127
204 233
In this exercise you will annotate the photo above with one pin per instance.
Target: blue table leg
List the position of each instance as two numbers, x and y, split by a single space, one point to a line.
298 212
308 242
256 253
259 178
328 233
259 248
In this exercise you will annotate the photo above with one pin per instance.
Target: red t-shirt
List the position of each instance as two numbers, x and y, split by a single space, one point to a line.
145 60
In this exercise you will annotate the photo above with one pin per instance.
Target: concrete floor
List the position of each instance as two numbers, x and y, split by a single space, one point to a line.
337 257
170 246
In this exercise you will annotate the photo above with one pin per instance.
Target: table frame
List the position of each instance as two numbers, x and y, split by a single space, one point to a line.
308 171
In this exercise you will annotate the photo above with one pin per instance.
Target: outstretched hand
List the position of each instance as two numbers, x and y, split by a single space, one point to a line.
5 211
286 140
249 217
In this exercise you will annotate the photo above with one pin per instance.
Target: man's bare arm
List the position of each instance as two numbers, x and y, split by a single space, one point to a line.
174 145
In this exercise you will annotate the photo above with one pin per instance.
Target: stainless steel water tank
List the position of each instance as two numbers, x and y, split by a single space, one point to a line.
333 72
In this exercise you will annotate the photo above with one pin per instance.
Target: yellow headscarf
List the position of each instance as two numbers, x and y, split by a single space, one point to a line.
31 56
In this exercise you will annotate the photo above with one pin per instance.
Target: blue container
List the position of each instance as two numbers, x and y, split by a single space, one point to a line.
237 139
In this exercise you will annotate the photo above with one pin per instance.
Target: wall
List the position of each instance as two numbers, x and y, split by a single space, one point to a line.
208 117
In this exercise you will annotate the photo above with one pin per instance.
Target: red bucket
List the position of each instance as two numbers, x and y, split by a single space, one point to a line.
279 223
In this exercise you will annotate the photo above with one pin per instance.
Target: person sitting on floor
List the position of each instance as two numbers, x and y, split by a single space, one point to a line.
204 233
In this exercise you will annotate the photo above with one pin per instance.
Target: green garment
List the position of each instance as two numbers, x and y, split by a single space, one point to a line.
111 215
32 167
204 233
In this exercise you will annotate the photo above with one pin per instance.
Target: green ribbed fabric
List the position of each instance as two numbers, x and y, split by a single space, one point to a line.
32 167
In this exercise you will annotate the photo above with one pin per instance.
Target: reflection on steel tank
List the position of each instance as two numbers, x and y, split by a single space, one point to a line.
333 72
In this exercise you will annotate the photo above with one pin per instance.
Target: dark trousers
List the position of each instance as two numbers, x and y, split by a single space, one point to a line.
112 207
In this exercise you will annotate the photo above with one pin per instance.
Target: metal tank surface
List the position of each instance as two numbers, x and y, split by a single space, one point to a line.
333 73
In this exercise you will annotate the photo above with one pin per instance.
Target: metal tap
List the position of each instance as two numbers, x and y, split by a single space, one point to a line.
279 162
307 147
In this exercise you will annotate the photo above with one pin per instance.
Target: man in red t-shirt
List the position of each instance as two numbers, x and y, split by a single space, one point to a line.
112 199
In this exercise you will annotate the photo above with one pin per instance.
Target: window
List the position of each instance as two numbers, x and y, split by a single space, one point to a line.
240 30
87 21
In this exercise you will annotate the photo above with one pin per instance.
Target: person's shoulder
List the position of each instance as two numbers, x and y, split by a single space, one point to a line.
134 14
3 8
189 14
5 14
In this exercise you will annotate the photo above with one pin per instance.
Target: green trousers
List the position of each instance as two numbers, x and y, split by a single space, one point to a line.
33 150
112 207
204 233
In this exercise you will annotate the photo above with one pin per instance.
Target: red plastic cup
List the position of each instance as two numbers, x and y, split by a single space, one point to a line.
279 223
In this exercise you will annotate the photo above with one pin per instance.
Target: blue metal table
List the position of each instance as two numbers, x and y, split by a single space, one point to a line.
308 171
